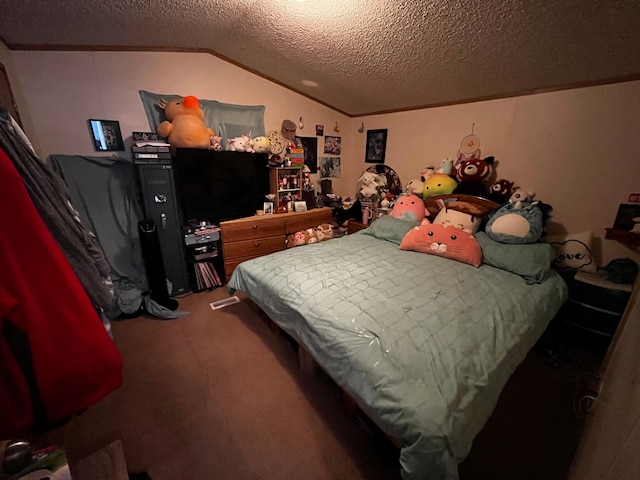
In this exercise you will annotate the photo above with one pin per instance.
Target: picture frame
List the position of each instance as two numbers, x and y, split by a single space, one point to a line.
300 206
332 145
106 135
376 146
268 208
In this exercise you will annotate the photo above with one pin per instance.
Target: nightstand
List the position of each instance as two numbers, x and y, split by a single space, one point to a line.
591 315
353 227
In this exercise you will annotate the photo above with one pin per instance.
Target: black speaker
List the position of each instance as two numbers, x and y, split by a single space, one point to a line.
326 186
154 265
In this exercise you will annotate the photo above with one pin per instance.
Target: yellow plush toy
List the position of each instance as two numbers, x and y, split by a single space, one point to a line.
184 126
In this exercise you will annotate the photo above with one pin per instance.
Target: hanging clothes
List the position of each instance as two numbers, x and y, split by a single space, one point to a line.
50 197
56 358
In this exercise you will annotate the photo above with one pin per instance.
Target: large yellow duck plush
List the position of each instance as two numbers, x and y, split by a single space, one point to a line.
184 126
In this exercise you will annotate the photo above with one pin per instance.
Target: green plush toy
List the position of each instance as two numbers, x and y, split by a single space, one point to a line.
438 184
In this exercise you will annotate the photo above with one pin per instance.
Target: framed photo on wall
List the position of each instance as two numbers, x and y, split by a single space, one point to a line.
376 146
106 135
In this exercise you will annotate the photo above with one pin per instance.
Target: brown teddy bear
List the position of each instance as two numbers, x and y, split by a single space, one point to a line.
184 126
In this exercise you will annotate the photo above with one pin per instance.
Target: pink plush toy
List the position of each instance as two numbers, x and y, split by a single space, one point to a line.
409 207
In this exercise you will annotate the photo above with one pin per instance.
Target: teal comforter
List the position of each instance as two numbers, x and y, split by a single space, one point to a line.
424 344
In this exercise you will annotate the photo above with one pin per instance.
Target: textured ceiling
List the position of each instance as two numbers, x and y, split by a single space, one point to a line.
366 56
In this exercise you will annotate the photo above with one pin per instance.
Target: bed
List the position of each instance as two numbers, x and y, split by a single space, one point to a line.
423 344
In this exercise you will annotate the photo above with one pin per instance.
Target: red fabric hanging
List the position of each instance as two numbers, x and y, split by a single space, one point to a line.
56 358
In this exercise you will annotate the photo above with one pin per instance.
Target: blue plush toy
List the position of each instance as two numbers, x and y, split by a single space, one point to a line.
516 222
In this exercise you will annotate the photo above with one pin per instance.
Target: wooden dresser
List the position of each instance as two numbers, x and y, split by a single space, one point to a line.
252 237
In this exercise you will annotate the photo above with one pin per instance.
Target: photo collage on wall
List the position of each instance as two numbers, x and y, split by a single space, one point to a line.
330 165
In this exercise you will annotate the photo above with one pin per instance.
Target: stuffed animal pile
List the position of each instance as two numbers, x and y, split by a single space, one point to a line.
322 232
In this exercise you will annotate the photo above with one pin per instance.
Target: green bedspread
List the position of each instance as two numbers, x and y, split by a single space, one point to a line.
424 344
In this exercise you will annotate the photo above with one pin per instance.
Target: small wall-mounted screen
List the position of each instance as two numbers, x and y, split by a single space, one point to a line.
106 135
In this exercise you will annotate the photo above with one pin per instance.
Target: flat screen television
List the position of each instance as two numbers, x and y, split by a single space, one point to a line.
216 186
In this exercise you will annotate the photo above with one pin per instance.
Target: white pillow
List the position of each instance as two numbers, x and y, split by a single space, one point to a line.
574 252
455 218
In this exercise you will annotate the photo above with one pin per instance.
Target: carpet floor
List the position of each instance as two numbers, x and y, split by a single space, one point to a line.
216 395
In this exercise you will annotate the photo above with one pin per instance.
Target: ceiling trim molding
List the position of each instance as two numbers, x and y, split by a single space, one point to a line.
524 93
105 48
119 48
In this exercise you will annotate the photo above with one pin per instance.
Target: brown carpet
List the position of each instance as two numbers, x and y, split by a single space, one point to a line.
216 395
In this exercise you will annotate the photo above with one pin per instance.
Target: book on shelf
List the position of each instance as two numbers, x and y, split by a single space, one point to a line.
215 274
206 275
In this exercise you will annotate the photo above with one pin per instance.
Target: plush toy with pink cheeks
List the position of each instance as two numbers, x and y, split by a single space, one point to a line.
409 207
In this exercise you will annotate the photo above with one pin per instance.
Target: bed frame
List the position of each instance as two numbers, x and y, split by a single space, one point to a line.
308 365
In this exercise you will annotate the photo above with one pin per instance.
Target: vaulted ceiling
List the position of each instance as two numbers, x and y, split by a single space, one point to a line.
361 56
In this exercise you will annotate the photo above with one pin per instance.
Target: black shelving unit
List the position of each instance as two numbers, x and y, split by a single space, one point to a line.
204 259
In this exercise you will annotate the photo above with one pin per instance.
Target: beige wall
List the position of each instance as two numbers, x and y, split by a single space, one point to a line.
575 148
608 449
6 58
65 89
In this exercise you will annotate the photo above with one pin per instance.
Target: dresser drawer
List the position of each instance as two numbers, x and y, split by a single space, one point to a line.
230 265
253 248
248 229
608 299
590 318
237 252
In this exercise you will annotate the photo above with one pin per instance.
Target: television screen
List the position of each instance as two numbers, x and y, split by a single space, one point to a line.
217 186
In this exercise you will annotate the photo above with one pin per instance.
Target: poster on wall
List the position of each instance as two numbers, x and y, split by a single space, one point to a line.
330 167
310 145
332 145
376 146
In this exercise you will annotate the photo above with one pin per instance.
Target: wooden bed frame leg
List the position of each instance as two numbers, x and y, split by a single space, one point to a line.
350 406
273 326
306 362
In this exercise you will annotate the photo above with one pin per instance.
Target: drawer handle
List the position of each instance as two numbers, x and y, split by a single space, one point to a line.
256 244
256 227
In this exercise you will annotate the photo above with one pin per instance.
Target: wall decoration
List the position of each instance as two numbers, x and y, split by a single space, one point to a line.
376 146
332 145
106 135
310 145
330 167
319 130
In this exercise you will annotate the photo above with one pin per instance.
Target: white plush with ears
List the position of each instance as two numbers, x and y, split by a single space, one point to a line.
455 218
414 187
240 144
521 195
370 182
